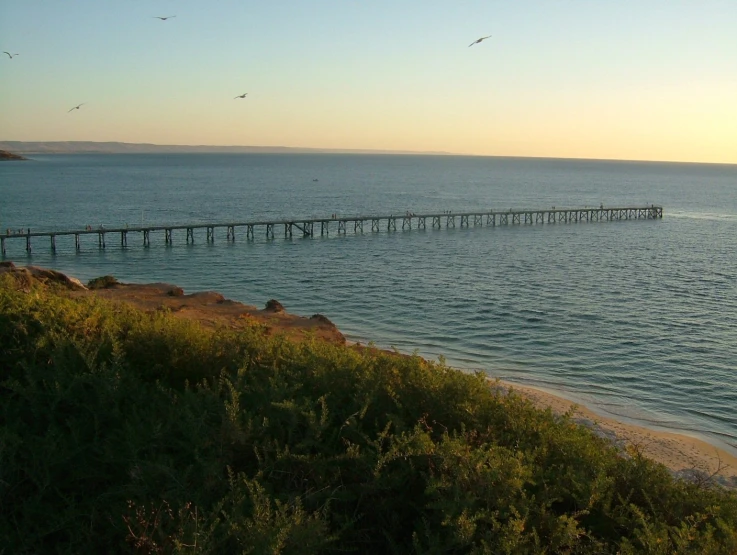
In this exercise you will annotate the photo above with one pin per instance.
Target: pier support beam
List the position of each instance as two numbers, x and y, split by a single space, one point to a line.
28 243
421 222
210 234
53 244
450 221
231 233
250 231
491 219
478 219
436 222
76 242
269 231
146 238
375 225
391 224
341 227
123 239
324 227
190 235
2 246
167 237
358 226
464 221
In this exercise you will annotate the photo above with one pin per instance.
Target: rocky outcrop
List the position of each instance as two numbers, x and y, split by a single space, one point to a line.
206 307
272 305
48 277
322 319
102 282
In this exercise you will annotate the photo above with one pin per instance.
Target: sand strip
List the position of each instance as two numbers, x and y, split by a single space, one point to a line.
684 455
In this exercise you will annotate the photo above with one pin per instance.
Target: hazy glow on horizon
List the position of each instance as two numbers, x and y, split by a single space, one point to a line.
578 79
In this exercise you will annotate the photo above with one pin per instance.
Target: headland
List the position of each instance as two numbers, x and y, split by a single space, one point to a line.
9 156
685 456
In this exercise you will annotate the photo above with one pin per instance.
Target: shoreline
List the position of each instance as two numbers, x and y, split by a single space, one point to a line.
694 458
685 455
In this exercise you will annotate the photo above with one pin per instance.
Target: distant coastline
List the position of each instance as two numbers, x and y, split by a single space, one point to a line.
116 147
92 147
10 156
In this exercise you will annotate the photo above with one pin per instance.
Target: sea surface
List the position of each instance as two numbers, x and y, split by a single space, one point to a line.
636 319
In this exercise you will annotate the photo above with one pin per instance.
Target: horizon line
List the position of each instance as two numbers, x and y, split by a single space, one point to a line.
333 150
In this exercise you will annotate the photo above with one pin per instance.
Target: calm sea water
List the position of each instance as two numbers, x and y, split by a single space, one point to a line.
637 319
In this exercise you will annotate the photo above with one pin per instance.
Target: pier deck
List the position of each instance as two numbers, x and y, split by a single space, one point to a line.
310 227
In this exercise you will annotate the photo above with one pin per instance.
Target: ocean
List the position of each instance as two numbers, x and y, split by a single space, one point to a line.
635 319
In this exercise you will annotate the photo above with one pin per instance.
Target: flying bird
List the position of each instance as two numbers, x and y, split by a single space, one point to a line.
77 107
9 54
163 18
241 96
479 40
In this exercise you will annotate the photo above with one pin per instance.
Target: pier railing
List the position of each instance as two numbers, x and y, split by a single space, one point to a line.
356 224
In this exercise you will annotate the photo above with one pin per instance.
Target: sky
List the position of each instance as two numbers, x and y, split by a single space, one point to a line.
605 79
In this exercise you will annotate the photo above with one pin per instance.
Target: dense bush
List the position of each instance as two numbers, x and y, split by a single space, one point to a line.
122 431
102 282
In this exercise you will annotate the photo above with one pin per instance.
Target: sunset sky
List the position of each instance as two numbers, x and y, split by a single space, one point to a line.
625 79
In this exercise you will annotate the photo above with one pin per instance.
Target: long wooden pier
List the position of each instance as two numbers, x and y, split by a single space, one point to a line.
308 227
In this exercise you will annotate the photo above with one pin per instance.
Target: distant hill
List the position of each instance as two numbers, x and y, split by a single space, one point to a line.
91 147
5 155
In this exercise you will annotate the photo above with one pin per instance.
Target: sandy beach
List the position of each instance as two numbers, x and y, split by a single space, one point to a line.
684 455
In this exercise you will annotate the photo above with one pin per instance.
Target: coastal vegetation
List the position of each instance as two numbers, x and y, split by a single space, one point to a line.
130 431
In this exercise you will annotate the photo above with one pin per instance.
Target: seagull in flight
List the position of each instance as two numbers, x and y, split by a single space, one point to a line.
77 107
479 40
163 18
9 54
241 96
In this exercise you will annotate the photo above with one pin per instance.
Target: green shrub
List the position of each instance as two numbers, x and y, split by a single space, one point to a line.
122 431
102 282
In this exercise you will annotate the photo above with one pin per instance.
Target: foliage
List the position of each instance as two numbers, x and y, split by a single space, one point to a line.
122 431
102 282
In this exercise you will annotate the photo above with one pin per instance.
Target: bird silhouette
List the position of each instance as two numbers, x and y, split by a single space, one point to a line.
77 107
9 54
241 96
163 18
478 41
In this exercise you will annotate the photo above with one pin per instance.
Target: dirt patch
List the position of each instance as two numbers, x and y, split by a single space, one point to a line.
212 309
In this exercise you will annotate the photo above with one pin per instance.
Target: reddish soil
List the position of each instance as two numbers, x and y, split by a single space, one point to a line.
208 308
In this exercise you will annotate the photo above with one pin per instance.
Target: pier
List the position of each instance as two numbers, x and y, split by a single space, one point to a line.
341 225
